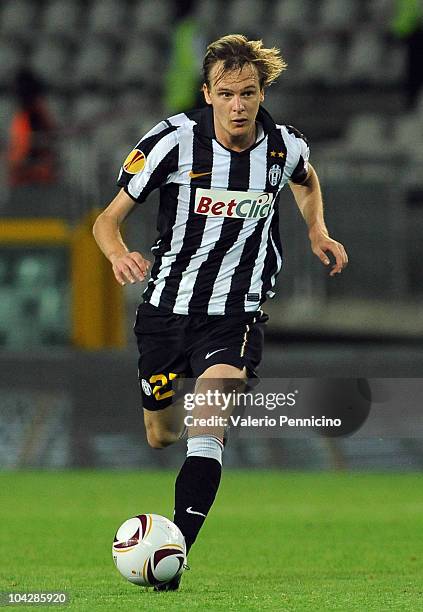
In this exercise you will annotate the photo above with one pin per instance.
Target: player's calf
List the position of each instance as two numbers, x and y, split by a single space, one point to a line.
199 478
164 427
158 438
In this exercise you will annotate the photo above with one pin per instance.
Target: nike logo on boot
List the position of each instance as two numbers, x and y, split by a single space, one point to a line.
191 511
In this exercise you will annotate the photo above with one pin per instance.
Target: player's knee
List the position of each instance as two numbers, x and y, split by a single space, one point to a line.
158 438
222 371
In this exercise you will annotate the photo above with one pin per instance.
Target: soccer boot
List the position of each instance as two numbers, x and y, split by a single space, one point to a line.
173 585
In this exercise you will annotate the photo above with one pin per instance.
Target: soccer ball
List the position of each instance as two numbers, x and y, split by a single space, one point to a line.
148 549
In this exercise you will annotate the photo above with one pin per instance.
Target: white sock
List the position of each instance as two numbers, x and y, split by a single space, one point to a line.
205 446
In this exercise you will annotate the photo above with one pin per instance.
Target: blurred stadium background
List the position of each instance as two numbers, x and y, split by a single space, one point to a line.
111 69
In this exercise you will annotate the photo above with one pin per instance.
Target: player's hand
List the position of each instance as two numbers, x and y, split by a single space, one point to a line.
129 267
321 244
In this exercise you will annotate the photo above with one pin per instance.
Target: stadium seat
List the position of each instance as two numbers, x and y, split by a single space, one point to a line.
4 268
12 58
244 17
419 106
33 275
338 15
379 13
408 134
294 15
61 18
364 57
205 14
9 318
107 17
54 313
89 107
131 101
321 61
19 19
50 61
152 18
138 113
7 109
35 272
366 135
58 106
393 67
110 137
141 63
93 65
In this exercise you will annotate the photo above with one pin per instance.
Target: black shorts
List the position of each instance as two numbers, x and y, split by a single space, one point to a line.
173 346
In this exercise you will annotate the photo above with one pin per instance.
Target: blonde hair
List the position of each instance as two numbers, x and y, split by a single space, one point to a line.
235 50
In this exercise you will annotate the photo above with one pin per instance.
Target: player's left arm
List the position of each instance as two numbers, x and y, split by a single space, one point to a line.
308 197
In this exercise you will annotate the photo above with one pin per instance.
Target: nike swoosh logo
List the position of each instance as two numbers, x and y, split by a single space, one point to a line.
191 511
192 174
217 351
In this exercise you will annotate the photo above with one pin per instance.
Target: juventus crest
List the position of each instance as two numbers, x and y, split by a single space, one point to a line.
275 174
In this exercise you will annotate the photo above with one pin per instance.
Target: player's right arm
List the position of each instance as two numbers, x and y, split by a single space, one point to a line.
127 266
146 168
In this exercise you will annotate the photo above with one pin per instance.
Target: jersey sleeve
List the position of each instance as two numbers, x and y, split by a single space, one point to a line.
302 154
149 164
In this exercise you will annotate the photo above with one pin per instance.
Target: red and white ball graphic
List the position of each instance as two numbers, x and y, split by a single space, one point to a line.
148 549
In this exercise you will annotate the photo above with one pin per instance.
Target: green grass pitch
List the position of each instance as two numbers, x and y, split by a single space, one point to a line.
273 541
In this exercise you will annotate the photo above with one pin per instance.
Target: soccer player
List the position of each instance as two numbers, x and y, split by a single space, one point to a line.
220 170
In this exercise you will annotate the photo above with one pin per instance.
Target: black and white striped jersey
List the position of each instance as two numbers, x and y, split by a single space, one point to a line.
218 249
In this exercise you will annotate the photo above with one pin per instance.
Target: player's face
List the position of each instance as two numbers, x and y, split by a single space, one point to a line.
235 96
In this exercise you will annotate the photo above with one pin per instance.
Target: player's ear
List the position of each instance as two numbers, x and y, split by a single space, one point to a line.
206 94
261 95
